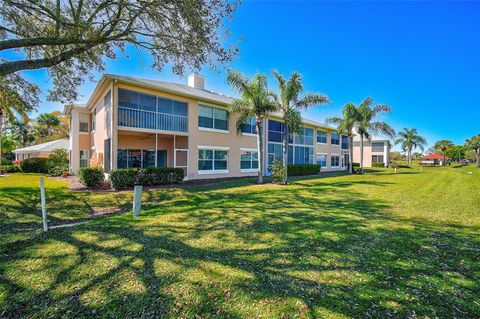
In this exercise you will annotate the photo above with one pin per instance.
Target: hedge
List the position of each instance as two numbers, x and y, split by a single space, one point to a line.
302 169
151 176
34 165
378 164
91 176
9 169
5 161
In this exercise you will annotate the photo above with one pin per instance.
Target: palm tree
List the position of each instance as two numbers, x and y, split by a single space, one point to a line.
345 125
365 115
12 106
442 148
410 140
22 132
46 125
290 102
474 143
255 101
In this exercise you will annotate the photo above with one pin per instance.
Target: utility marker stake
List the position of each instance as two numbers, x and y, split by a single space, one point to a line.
137 200
395 170
44 205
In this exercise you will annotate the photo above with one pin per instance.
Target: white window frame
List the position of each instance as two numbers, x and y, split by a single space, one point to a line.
326 137
322 154
248 150
208 129
84 159
339 159
213 148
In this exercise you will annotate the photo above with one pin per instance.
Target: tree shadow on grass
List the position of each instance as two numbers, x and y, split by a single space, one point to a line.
314 251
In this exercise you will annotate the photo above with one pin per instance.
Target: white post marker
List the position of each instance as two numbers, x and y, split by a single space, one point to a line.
137 200
395 170
44 205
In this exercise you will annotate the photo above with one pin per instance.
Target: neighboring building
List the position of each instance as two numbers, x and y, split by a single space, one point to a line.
433 160
134 122
40 150
375 150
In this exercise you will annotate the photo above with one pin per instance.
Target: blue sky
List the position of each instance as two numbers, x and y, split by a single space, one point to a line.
421 58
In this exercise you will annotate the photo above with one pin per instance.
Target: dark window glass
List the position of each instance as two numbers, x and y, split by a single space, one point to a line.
147 103
334 139
122 158
321 137
148 158
128 99
83 127
180 108
134 158
344 142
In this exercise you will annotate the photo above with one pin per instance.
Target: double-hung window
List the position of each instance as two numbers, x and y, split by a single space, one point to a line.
83 127
378 147
322 137
335 161
322 160
344 142
212 118
84 159
212 160
249 127
377 158
334 140
248 160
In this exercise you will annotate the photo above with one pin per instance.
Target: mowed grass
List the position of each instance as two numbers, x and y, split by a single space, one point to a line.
376 245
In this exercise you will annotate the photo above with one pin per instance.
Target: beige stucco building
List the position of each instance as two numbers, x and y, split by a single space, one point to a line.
375 150
134 122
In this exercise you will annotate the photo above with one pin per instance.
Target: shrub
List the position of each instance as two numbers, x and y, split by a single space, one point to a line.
151 176
34 165
277 171
91 176
58 162
378 164
355 164
5 161
9 169
303 169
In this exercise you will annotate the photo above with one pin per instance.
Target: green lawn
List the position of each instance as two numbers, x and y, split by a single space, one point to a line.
376 245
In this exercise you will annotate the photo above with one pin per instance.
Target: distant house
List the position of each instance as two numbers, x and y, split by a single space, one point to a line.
433 160
375 150
40 150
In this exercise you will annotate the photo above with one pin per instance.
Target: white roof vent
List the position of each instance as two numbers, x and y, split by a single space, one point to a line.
196 81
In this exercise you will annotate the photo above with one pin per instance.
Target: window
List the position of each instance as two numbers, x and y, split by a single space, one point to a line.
305 137
334 139
344 142
83 126
212 160
377 158
377 147
134 100
322 160
322 137
84 159
303 155
128 158
274 152
210 117
249 127
275 131
335 161
167 106
248 160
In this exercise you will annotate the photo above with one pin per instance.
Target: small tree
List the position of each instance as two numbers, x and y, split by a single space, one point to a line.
58 162
474 144
442 148
410 140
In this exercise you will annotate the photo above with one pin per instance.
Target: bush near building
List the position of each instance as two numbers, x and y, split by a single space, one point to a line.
303 169
91 176
34 165
151 176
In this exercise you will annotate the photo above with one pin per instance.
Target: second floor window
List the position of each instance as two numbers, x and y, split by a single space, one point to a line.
344 142
334 140
83 127
213 118
377 147
322 137
249 127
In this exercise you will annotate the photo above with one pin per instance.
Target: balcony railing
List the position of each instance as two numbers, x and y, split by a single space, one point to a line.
152 120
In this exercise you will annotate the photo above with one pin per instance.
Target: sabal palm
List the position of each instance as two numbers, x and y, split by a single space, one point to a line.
255 101
365 115
12 106
441 147
474 143
410 140
345 125
290 102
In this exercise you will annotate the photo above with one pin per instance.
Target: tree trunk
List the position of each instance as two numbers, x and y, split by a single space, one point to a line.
285 155
409 155
259 126
1 132
361 153
478 157
350 157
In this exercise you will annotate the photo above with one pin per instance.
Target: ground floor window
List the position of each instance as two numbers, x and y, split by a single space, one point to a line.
248 160
130 158
212 160
84 158
335 161
274 152
302 155
377 158
345 160
322 160
296 154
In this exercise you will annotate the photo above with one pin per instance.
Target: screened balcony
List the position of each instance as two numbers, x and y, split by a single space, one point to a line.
139 110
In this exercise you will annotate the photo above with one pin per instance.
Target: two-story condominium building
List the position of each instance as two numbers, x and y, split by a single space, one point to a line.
375 150
134 122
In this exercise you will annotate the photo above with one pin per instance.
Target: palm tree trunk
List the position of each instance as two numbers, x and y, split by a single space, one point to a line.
350 155
478 157
409 156
285 155
259 126
361 153
1 131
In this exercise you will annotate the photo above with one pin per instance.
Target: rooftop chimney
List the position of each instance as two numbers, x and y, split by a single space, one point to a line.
196 81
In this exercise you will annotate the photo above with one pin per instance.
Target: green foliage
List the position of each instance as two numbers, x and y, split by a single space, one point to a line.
91 176
5 161
10 169
303 169
378 164
355 164
58 162
151 176
34 165
278 171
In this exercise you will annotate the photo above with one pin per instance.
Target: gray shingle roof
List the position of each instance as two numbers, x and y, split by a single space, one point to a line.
44 147
182 89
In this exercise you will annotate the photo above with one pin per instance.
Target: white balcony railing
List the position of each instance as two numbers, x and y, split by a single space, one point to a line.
152 120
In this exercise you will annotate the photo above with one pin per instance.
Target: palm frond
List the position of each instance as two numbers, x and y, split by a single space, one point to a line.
312 99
